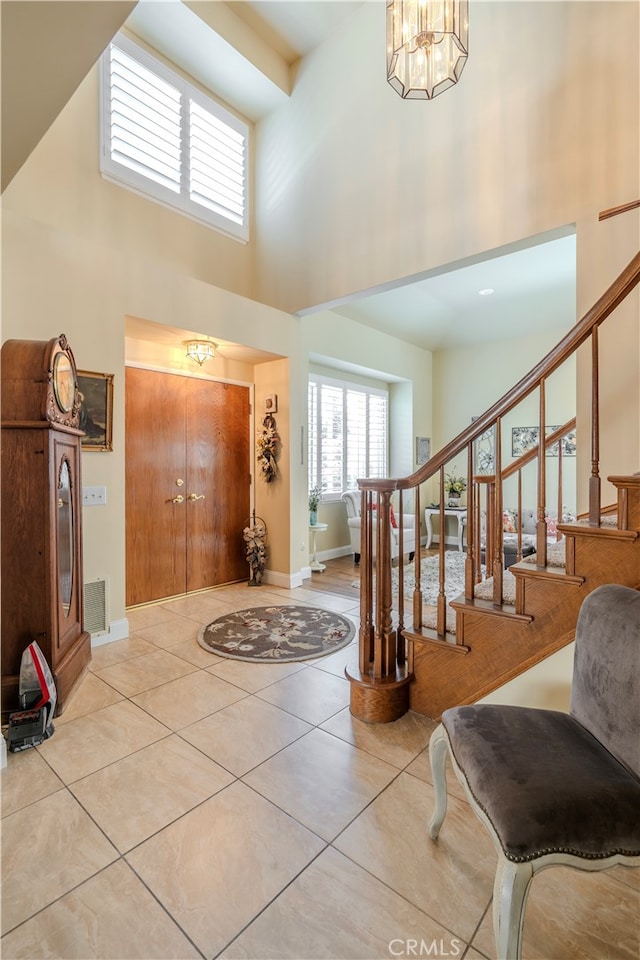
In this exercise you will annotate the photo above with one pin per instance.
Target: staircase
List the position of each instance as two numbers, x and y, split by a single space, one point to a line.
500 641
506 621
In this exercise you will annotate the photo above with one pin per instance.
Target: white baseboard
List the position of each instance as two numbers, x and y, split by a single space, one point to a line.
118 630
286 580
334 552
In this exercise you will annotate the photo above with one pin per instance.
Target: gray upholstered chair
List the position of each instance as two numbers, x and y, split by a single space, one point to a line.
555 788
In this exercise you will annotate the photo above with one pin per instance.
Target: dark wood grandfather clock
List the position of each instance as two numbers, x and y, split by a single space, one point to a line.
41 517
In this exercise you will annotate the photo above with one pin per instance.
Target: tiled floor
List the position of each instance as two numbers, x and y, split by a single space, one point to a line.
191 806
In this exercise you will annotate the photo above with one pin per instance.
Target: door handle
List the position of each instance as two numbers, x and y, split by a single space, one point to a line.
178 499
196 496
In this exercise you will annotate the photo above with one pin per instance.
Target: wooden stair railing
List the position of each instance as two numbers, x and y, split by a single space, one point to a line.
380 686
484 491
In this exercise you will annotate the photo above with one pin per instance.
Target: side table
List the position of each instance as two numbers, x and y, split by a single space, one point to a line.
460 513
315 565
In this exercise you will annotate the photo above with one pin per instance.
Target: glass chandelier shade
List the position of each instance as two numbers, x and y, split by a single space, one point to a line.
427 46
200 350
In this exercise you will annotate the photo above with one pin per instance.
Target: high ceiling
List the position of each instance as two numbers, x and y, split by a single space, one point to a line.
246 52
534 287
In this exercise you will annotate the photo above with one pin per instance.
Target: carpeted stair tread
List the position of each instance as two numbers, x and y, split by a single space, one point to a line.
556 555
484 590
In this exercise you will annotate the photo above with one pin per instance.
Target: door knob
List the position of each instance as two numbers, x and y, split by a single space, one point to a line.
195 496
178 499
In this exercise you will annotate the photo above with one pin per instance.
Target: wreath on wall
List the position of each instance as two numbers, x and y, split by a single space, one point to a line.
268 449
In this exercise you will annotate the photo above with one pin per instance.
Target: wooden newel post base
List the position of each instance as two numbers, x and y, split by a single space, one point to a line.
379 701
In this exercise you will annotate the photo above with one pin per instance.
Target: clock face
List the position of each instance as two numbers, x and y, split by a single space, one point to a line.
64 386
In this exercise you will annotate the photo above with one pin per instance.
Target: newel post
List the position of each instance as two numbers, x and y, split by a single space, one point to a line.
380 686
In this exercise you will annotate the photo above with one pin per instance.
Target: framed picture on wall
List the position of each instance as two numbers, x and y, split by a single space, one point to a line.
96 410
524 438
423 449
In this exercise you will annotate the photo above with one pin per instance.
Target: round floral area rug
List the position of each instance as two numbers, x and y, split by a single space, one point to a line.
275 634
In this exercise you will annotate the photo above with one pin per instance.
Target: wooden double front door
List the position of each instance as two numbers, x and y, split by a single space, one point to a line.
187 483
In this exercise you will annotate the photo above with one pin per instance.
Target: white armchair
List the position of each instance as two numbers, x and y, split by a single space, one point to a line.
352 500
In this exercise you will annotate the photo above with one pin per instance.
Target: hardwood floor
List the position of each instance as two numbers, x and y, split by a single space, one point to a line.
338 577
342 572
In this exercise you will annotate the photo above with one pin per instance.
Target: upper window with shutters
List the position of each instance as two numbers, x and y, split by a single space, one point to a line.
163 138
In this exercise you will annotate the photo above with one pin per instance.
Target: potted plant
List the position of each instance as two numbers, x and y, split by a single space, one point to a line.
315 496
454 485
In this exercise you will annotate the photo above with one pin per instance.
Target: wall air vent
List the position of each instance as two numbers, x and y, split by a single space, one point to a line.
96 620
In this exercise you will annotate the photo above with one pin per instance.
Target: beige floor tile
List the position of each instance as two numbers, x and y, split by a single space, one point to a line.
25 779
47 848
451 879
321 781
112 915
329 601
222 863
397 743
90 743
336 662
120 650
421 768
168 633
139 795
91 694
188 699
304 595
312 695
153 613
192 652
572 914
201 607
245 734
145 672
254 676
625 875
336 909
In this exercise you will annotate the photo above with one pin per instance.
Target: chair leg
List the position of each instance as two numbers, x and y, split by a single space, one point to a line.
510 890
438 746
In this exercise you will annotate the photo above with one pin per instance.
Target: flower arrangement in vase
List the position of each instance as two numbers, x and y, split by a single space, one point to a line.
315 496
454 485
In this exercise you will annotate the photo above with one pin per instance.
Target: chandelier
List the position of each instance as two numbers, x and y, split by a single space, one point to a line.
200 350
427 46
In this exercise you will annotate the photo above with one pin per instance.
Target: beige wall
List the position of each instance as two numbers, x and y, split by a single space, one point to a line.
61 185
357 188
604 248
487 371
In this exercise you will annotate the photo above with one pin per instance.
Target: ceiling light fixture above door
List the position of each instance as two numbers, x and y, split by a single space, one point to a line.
201 350
427 46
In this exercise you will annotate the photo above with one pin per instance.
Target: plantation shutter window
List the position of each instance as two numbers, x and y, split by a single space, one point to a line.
217 168
348 434
314 479
165 139
145 121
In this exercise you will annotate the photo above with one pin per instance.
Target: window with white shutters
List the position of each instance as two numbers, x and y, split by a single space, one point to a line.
348 434
163 138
